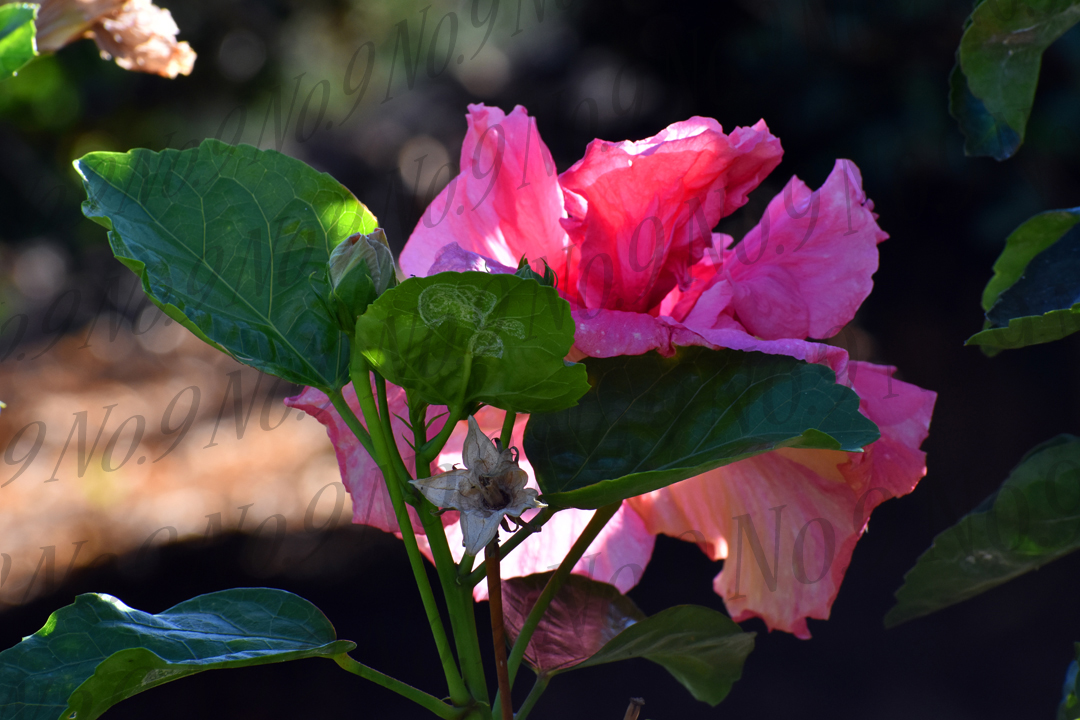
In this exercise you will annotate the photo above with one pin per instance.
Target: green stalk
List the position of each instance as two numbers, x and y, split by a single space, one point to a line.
431 448
458 599
507 428
516 539
596 524
538 689
421 698
458 693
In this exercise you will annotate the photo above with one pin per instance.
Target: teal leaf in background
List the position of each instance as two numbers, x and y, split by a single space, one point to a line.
1034 296
98 651
999 56
650 421
1032 519
17 46
233 242
984 135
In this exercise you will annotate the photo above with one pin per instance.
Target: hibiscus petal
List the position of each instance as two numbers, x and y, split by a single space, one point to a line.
453 258
617 556
506 202
641 213
608 333
359 472
806 268
791 518
893 465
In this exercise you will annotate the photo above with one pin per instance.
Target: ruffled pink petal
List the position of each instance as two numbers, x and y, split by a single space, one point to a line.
506 202
805 269
641 213
453 258
893 465
705 274
730 335
359 472
821 499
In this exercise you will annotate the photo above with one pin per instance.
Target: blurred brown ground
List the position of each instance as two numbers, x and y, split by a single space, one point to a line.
69 499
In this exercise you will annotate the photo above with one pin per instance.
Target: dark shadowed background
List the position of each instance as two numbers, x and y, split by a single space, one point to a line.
845 79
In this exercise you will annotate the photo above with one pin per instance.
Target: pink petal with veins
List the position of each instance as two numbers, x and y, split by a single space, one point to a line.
641 213
806 267
506 201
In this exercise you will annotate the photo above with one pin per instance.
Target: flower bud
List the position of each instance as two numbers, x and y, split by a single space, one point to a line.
524 270
361 269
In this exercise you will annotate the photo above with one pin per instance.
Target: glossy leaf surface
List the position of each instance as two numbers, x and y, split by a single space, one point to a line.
232 242
650 421
457 338
98 651
17 31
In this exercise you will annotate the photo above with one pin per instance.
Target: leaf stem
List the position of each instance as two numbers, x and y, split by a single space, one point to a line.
596 524
498 627
428 702
538 689
458 693
507 428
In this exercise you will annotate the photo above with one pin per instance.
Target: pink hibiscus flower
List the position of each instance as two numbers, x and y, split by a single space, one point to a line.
627 229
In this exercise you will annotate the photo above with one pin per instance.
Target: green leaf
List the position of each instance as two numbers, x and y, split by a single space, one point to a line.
1034 296
984 135
1032 519
650 421
17 46
456 338
1000 54
232 242
702 648
1069 709
98 651
592 623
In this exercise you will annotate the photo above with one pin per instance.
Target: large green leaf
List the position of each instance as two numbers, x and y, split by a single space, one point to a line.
591 623
650 421
97 652
456 338
17 46
1032 519
233 242
1034 296
1000 54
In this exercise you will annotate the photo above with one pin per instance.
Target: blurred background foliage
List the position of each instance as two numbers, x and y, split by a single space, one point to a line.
840 78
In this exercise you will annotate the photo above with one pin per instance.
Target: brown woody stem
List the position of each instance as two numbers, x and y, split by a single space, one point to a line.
498 628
